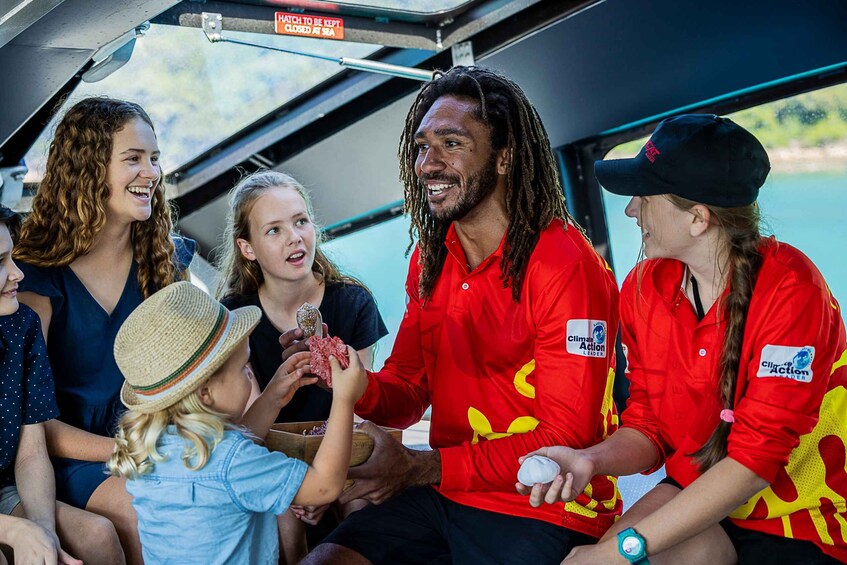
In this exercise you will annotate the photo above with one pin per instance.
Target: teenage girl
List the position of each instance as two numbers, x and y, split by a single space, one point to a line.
272 259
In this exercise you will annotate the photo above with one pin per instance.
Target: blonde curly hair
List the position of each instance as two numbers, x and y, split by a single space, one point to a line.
135 451
69 209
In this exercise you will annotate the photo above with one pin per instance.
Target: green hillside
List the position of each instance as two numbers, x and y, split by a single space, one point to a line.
812 120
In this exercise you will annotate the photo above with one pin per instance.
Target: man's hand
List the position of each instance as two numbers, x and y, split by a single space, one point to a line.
309 514
33 543
577 470
391 469
292 342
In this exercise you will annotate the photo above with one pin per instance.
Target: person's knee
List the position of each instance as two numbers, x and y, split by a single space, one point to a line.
120 512
330 553
100 532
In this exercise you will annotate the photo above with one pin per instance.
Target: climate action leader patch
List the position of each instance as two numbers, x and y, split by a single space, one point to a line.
587 338
793 363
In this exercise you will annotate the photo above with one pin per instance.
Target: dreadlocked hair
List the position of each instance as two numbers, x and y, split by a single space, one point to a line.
534 195
69 209
242 276
742 234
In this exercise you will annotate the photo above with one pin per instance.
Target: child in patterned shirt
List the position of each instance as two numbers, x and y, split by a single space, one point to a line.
31 521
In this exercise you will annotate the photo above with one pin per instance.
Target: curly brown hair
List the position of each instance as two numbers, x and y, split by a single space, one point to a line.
241 276
534 195
69 209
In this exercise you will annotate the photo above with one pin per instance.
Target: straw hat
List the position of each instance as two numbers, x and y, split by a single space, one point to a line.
175 340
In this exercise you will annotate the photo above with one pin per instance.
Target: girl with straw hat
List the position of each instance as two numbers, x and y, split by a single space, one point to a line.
204 492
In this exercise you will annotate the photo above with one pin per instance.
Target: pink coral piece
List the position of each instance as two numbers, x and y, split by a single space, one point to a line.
321 349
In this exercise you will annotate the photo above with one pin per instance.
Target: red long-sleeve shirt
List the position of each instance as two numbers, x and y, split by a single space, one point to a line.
506 378
791 403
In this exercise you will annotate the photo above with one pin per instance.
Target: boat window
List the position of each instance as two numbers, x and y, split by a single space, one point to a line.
377 256
198 93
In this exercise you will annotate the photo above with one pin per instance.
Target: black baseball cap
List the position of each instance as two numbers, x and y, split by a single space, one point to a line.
701 157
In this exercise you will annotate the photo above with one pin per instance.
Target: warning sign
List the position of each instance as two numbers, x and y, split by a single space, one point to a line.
309 26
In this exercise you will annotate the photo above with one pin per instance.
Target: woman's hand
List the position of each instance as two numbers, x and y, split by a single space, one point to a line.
289 377
577 470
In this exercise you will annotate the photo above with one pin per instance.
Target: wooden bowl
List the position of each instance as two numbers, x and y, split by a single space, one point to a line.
289 439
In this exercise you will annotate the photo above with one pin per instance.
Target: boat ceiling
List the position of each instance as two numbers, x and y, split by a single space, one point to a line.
588 66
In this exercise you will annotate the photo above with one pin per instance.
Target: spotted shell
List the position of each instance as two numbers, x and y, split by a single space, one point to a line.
309 320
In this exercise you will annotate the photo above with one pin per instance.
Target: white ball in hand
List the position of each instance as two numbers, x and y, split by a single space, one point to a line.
537 469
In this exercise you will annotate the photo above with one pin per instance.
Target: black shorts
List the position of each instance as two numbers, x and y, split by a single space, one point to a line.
754 547
422 526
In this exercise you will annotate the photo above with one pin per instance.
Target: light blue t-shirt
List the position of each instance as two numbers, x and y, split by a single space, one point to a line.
222 513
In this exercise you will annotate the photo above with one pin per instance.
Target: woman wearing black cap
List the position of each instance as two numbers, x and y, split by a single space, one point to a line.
737 358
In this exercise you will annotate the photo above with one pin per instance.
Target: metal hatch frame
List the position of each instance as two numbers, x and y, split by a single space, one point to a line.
341 100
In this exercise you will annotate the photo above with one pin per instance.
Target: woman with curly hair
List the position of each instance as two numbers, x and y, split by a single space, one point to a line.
98 242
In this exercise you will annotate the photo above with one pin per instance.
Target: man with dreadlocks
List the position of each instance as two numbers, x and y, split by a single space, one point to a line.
506 334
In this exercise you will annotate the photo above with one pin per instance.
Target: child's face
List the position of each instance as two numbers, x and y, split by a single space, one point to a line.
282 235
10 275
229 389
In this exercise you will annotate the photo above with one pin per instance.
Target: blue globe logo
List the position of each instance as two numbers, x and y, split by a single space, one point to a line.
802 359
599 333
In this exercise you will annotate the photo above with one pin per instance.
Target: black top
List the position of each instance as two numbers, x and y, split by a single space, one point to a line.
350 313
26 384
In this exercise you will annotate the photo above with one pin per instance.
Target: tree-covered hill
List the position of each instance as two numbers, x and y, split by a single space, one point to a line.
807 128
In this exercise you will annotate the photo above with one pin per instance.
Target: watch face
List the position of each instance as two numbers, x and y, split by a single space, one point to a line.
631 545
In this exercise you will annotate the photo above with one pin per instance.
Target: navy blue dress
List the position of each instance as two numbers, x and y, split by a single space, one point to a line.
80 346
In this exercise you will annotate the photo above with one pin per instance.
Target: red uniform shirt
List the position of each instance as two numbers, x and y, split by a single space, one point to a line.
506 378
791 404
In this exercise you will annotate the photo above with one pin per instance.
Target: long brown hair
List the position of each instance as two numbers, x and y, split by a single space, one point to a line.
534 195
241 276
742 235
69 209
